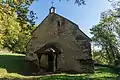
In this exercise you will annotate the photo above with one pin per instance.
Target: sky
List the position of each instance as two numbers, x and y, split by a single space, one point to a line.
85 15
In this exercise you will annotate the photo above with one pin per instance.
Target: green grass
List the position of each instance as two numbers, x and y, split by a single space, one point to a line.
13 66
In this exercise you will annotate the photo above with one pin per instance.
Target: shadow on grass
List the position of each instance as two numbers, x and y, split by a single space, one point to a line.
15 64
99 69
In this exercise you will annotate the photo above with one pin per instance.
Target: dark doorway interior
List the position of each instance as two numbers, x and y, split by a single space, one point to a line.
50 62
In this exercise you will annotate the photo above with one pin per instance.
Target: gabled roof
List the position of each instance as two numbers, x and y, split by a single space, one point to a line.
74 24
68 21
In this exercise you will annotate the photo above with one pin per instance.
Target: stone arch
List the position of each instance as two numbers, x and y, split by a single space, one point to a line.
50 51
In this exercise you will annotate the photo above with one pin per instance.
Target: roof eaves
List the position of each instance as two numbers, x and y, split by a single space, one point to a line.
36 28
75 25
84 33
40 23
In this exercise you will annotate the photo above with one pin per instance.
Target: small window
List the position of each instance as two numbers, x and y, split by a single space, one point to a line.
58 23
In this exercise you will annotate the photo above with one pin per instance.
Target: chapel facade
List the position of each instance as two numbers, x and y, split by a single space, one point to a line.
58 45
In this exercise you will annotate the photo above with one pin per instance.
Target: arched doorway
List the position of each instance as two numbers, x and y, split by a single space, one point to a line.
48 55
52 62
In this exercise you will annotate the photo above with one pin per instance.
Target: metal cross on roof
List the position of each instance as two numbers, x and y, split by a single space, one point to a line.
52 3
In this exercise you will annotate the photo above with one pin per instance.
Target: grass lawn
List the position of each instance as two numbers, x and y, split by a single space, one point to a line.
13 66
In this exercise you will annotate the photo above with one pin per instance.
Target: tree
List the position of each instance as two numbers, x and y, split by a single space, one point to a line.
14 34
9 27
21 7
106 35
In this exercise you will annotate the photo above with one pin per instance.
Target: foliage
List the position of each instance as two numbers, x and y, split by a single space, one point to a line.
100 57
13 35
106 35
9 27
21 7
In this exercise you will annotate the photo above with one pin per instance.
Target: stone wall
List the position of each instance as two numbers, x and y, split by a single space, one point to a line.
74 45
